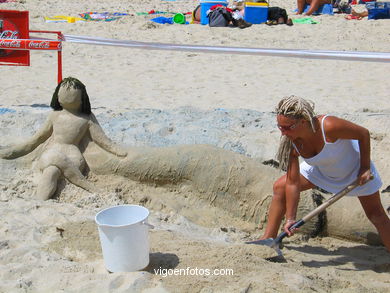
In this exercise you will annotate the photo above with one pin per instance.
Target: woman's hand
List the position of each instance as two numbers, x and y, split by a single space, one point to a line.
364 175
287 226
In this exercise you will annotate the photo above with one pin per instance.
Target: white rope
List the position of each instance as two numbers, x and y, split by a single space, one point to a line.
310 54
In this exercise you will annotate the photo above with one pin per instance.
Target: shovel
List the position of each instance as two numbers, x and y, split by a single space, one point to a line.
276 243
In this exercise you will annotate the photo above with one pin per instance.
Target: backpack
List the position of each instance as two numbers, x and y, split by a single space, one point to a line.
219 17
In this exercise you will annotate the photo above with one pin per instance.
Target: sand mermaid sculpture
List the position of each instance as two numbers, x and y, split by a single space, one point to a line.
63 131
73 141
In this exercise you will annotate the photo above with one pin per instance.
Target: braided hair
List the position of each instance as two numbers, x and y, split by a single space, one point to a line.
296 108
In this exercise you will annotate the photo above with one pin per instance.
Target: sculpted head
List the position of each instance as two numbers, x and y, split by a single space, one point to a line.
71 93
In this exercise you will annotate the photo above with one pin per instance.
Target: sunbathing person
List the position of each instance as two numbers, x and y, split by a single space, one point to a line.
65 128
314 5
196 15
359 15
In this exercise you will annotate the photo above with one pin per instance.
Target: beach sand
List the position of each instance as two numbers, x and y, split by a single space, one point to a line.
164 98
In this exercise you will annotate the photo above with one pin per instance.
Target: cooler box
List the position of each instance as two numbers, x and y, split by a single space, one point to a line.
256 12
378 10
206 5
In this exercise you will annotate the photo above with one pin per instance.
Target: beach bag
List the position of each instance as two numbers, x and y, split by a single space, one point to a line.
219 17
274 13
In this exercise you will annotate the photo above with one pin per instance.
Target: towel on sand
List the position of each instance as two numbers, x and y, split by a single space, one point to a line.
305 20
102 16
63 18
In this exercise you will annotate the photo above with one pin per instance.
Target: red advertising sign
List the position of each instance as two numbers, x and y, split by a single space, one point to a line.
19 44
14 25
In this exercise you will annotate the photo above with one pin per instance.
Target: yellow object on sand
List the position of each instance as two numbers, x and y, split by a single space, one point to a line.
63 18
256 4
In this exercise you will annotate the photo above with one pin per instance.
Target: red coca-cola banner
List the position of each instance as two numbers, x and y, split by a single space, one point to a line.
29 44
13 26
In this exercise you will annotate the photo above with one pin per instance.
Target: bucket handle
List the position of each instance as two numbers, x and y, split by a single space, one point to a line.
147 224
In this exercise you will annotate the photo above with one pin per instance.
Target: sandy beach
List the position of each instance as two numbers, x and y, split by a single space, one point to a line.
150 98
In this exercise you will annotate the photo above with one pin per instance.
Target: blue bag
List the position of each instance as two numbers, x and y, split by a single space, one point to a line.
378 10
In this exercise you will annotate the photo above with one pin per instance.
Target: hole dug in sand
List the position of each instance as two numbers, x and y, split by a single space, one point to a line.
77 241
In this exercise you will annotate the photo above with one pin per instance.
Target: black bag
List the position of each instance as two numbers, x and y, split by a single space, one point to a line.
274 13
219 17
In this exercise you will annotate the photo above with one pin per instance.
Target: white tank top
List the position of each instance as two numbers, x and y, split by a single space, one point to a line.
337 165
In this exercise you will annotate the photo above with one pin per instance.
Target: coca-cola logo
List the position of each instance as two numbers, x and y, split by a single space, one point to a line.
10 43
8 30
7 34
39 45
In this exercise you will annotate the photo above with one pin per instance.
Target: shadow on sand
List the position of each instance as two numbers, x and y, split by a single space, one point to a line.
363 257
161 261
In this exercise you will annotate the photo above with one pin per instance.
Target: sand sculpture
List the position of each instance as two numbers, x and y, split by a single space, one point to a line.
73 141
65 128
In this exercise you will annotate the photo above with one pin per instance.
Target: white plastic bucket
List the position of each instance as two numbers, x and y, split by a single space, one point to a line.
123 232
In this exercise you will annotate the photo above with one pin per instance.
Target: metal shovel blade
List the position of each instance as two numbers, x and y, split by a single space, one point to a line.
268 242
275 243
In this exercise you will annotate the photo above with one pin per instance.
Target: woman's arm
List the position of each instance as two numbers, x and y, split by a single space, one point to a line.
22 149
337 128
101 139
292 190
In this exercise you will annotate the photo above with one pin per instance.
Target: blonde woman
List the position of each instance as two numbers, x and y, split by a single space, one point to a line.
335 152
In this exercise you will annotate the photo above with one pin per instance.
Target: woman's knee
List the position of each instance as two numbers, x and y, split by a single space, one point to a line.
279 187
374 210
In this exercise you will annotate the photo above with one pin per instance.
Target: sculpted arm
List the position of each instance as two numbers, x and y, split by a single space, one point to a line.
101 139
24 148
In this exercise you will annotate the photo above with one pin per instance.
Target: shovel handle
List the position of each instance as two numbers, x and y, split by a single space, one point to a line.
284 234
321 208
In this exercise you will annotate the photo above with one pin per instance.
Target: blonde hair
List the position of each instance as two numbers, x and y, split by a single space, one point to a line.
296 108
